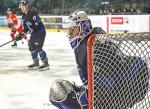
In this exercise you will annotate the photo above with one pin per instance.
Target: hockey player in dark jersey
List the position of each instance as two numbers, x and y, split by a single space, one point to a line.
64 94
32 24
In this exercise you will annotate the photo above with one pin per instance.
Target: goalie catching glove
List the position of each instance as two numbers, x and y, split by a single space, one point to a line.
65 95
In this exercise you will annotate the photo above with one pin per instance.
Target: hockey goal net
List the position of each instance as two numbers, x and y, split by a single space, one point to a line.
118 71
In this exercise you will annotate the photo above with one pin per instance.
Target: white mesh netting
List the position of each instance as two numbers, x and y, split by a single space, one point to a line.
121 71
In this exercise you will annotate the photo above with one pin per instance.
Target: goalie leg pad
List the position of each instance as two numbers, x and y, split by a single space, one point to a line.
83 97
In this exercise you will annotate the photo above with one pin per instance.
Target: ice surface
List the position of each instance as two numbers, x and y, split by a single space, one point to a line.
24 89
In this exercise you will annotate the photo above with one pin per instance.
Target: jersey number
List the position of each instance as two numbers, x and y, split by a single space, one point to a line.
29 25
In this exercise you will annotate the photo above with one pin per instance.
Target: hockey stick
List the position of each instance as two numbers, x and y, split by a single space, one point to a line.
25 38
13 40
6 43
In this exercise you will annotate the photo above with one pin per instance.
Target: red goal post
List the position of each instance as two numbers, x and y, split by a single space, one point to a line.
135 54
89 62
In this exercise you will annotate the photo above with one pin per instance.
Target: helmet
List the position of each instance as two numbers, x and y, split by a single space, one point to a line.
23 2
8 9
79 26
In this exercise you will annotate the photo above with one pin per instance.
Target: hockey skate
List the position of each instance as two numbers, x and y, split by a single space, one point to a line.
14 45
44 66
35 64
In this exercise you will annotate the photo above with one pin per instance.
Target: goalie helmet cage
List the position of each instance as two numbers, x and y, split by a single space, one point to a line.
118 71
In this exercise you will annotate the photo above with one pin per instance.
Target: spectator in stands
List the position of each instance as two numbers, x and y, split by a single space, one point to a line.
124 11
138 11
112 11
100 11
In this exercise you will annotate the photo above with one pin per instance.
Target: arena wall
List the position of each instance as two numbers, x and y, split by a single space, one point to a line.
110 23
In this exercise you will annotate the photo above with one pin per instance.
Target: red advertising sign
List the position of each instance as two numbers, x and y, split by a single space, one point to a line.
116 20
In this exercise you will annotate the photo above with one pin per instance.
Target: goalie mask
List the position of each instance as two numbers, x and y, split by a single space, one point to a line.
79 26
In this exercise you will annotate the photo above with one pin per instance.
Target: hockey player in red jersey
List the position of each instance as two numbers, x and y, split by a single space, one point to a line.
14 25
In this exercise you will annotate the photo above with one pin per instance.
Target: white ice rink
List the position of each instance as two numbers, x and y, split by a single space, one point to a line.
24 89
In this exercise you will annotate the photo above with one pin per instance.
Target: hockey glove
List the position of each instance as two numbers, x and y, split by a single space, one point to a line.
19 36
10 25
